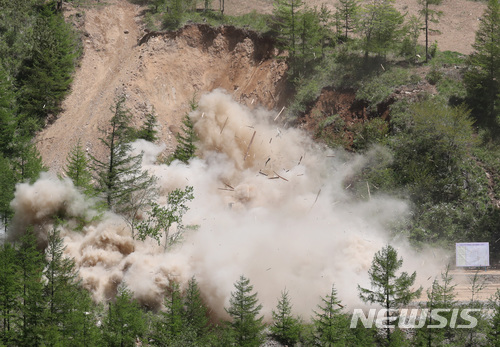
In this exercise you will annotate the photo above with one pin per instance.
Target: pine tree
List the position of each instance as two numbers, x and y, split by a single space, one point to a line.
482 78
494 331
27 162
61 291
441 295
331 325
286 328
244 309
380 26
7 112
309 47
148 130
33 303
77 168
286 14
125 320
388 289
120 178
346 14
186 139
46 76
9 293
195 315
430 15
7 187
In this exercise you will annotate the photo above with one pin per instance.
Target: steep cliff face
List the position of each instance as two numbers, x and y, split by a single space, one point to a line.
156 71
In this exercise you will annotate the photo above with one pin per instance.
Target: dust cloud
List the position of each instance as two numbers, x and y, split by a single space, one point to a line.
270 203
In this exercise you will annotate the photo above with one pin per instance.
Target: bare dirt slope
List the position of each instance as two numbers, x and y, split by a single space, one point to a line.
161 72
457 25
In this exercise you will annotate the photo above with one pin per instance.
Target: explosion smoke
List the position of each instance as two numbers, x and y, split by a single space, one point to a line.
270 204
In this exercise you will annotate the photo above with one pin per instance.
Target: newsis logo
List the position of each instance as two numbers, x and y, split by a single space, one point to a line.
415 318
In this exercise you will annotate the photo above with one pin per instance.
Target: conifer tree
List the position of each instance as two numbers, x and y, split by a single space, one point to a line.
9 293
388 289
430 15
77 168
7 187
125 321
346 14
482 78
195 315
120 178
493 334
441 295
148 130
330 323
186 139
244 310
61 291
46 75
27 162
286 328
7 112
33 303
380 26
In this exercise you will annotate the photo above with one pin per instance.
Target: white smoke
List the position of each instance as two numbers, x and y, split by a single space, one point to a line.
270 204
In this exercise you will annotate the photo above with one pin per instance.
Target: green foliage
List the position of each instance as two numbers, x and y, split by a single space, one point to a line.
369 132
120 178
244 309
331 325
161 218
483 75
346 15
430 15
148 130
378 88
494 331
186 139
285 328
124 322
434 76
7 186
77 169
389 290
9 290
380 27
46 74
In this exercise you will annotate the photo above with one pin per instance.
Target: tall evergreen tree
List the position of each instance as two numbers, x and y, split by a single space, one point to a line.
331 325
77 168
61 292
430 15
125 321
195 315
441 295
7 187
346 14
244 310
186 139
7 112
33 302
388 289
380 26
287 15
9 293
27 162
286 327
120 177
482 78
46 75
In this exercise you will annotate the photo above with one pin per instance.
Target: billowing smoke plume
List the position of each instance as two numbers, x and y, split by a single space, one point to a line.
269 202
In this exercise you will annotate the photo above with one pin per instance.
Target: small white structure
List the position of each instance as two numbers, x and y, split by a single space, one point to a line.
473 254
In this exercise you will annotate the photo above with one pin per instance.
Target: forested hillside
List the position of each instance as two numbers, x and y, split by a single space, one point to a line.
134 242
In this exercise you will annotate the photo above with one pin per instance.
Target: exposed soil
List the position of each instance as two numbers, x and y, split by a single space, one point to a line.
457 26
156 71
163 71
